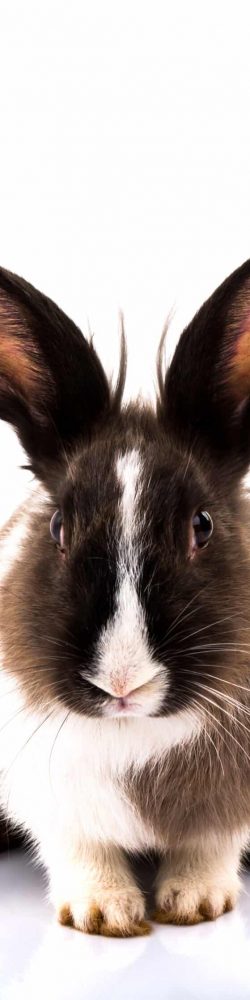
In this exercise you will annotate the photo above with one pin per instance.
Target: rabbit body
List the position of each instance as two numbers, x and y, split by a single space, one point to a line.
124 676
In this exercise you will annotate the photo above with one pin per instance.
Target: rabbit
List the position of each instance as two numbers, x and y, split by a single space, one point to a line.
125 580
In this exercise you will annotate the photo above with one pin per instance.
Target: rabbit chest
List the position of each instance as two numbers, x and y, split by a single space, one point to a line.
95 779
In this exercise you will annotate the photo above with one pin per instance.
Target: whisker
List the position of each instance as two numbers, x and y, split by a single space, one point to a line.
55 740
205 628
181 613
22 748
208 736
219 647
224 681
226 697
13 717
215 677
179 638
211 702
210 715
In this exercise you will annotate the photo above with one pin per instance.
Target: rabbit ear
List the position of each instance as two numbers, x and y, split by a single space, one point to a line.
52 386
205 397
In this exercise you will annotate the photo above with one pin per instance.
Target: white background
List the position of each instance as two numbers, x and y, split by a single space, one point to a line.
124 166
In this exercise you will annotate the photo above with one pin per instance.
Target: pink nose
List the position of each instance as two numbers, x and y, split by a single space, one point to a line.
119 691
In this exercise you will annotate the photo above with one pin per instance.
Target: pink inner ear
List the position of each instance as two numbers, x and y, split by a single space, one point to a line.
20 361
240 366
15 364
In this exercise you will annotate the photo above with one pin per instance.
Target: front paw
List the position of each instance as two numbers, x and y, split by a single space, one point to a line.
190 899
112 912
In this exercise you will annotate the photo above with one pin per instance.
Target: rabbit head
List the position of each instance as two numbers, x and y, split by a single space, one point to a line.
128 590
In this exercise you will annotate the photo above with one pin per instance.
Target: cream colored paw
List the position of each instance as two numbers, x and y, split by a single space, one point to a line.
191 899
108 912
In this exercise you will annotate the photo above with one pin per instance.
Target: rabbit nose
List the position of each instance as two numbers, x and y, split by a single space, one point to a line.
119 687
123 697
120 690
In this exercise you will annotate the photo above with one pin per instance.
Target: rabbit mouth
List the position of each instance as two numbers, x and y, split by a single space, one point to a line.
118 707
141 700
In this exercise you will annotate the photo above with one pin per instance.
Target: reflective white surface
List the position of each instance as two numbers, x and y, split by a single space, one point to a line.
39 960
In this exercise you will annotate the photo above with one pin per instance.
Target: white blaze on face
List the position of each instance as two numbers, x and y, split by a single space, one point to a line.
125 662
129 473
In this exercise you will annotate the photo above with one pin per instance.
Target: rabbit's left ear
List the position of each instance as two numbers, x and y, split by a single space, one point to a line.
53 388
205 398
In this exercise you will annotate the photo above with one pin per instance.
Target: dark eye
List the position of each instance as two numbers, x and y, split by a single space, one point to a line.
202 529
56 529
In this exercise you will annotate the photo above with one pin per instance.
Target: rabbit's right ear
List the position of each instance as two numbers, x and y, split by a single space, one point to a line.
205 398
53 389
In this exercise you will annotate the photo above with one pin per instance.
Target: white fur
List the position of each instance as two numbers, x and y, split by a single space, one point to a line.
129 472
13 535
125 663
124 659
203 875
76 793
11 545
